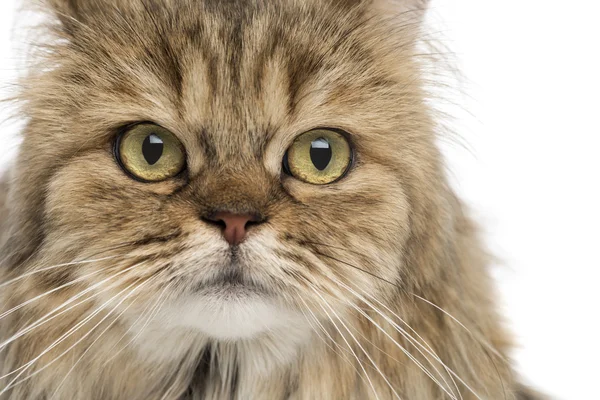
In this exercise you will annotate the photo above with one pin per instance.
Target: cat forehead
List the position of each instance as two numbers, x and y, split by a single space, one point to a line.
254 77
228 75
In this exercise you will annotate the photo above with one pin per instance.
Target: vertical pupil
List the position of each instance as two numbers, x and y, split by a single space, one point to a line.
152 148
320 153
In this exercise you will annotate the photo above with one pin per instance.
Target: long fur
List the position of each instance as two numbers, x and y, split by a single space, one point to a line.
375 286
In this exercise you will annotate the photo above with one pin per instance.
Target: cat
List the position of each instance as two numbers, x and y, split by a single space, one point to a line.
239 199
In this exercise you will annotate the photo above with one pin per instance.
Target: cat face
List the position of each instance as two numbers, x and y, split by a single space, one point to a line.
225 168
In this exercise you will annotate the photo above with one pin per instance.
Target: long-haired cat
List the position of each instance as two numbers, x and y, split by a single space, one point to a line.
239 199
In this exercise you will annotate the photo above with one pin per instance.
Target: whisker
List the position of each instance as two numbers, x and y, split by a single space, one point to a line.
105 250
155 308
314 317
37 271
41 321
71 283
479 340
24 368
323 329
99 336
406 352
483 343
348 344
375 346
80 323
361 335
65 335
407 335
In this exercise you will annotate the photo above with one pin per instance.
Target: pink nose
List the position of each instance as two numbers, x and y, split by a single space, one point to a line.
235 226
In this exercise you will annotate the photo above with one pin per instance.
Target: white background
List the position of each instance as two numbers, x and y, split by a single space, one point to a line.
530 168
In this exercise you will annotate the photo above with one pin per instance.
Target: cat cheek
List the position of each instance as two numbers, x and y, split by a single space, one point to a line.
90 197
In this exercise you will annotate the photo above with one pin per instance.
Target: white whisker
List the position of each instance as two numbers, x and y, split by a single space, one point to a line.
359 345
99 336
480 340
406 352
60 340
314 317
155 308
44 319
414 341
49 317
71 283
14 382
407 335
37 271
375 346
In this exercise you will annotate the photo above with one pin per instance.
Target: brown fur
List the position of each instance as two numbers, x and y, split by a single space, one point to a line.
3 202
236 81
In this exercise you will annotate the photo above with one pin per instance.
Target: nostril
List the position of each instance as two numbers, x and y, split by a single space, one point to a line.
212 220
254 219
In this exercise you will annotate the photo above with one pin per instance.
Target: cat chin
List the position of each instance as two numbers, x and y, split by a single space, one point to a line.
233 318
229 315
260 330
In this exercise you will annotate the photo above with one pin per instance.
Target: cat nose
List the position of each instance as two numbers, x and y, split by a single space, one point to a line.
234 226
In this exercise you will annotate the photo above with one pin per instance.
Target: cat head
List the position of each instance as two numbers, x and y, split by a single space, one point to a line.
240 163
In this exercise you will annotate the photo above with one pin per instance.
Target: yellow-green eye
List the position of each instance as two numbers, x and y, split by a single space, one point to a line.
319 157
150 153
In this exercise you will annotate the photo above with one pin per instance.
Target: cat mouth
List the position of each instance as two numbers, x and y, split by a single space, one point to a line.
231 281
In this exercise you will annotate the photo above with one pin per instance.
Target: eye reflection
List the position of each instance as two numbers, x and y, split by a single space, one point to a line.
152 148
320 153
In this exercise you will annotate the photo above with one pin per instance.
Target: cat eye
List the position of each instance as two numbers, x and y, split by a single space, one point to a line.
320 156
150 153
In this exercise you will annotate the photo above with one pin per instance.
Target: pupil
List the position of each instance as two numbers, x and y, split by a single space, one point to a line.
152 148
320 153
